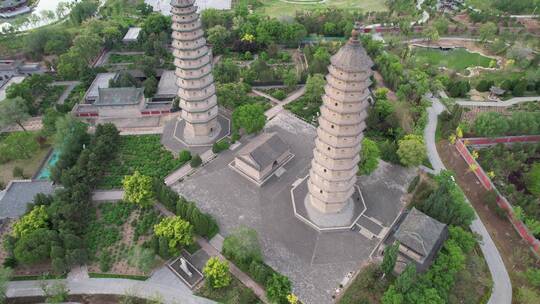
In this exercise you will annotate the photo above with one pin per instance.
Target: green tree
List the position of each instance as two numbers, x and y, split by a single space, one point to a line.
249 117
406 279
83 10
156 23
218 36
290 79
278 288
226 71
18 145
177 231
369 157
487 31
13 111
527 295
35 246
138 189
217 273
392 296
242 246
532 179
412 150
150 86
490 124
33 220
314 87
49 120
195 161
390 258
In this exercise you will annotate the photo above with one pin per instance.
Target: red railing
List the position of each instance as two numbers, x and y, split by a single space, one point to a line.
461 146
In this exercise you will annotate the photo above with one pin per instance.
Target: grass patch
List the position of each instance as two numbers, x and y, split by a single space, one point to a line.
38 277
304 109
232 294
367 287
277 8
122 58
139 153
117 276
30 166
457 59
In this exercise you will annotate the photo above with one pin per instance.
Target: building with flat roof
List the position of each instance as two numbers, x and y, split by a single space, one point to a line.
132 35
261 157
420 237
18 194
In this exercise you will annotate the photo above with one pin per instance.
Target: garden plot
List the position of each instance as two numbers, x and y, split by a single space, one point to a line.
116 238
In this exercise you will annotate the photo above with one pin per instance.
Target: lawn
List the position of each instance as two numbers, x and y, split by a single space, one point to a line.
457 59
139 153
277 8
30 166
120 58
304 109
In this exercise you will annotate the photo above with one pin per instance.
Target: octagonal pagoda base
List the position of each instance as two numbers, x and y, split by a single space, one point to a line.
340 221
224 129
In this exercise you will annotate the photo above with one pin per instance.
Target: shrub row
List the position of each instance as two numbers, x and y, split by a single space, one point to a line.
203 223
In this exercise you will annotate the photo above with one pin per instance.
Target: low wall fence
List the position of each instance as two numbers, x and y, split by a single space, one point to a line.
487 183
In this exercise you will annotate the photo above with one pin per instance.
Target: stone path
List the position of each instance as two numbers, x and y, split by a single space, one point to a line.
211 251
107 195
187 169
70 86
262 94
279 107
502 286
497 104
178 293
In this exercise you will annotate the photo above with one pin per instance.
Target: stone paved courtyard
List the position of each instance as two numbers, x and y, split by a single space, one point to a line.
315 262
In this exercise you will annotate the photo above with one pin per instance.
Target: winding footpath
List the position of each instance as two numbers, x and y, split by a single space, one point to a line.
502 287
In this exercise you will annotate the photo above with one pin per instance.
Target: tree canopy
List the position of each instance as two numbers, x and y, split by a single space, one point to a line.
249 117
138 189
177 231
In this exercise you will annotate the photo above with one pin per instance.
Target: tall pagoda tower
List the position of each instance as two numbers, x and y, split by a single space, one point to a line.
332 176
193 61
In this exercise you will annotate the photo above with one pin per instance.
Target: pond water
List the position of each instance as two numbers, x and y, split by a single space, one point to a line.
45 12
164 6
45 171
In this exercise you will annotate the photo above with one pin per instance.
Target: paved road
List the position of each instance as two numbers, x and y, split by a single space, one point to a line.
107 195
272 99
279 107
178 294
70 86
497 104
502 287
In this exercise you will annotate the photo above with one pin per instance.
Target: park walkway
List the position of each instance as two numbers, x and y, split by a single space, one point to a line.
187 169
497 104
272 112
502 287
107 195
83 285
70 85
262 94
212 251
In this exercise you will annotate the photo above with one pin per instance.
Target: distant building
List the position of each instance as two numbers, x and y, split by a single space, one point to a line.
132 35
10 68
12 8
18 194
101 101
420 237
261 157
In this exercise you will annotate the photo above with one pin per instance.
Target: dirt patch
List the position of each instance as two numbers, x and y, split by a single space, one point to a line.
503 234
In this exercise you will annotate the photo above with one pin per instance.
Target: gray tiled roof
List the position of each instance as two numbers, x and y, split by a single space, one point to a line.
263 150
132 34
352 58
119 96
167 84
420 232
18 194
101 81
